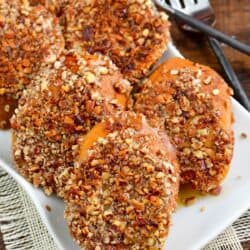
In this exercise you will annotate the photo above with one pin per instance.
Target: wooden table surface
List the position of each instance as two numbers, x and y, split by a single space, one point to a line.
233 17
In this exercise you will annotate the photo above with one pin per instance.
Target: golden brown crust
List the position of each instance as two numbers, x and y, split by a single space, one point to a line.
63 102
122 195
29 36
192 102
133 33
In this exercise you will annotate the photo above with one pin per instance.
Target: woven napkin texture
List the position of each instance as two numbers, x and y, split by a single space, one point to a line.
23 229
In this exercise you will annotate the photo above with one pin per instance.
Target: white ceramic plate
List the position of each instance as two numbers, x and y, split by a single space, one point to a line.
191 228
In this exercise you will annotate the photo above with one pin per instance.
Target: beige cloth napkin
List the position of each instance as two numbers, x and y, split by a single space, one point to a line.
23 229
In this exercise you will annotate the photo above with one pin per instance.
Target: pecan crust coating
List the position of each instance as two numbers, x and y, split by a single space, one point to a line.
122 195
132 33
192 103
54 6
29 37
63 102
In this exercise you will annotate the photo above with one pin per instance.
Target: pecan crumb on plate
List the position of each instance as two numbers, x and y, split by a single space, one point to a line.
243 135
49 209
